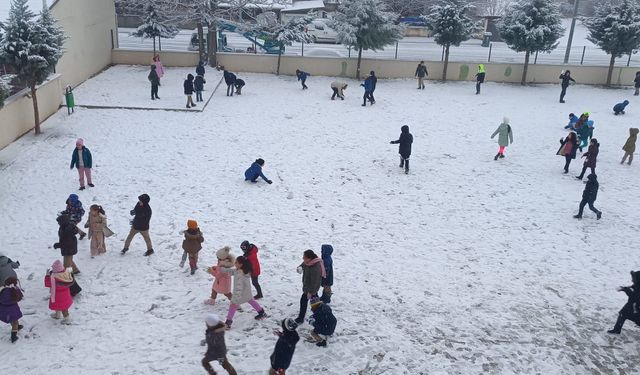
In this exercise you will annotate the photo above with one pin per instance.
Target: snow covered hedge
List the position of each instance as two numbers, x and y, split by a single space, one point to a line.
4 91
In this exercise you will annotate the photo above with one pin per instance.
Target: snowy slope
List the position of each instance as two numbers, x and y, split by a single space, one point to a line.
466 266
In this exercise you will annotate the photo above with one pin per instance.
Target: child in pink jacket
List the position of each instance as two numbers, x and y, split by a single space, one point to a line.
58 280
222 282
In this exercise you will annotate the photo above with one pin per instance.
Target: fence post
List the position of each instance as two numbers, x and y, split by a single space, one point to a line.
349 51
397 51
628 61
490 46
255 44
302 49
535 59
584 48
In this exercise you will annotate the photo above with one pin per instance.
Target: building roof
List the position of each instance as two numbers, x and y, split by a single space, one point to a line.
304 5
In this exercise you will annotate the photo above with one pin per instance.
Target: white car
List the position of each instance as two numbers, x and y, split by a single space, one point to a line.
321 33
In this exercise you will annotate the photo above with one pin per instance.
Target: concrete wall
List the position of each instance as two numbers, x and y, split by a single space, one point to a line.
330 66
16 116
88 25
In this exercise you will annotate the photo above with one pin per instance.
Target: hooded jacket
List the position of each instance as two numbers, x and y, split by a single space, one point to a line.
153 76
311 278
590 192
86 158
571 143
324 322
253 172
241 285
285 347
481 73
405 141
216 347
252 257
229 78
633 292
198 83
592 155
67 241
505 136
630 144
368 84
188 85
421 71
7 267
566 77
200 69
74 209
620 107
193 240
340 86
302 76
327 251
142 214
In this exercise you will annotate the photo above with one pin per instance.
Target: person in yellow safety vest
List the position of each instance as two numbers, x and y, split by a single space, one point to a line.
479 77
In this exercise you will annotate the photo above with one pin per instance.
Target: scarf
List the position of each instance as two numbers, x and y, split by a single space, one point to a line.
64 277
313 262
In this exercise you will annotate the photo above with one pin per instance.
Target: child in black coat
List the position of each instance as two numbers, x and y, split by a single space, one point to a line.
239 84
323 322
285 346
631 310
216 347
405 141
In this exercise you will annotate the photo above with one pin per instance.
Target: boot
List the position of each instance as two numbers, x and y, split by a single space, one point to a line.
261 315
599 215
326 298
66 321
56 315
181 263
618 327
401 163
501 156
81 188
210 301
322 343
91 185
406 167
193 270
124 250
258 296
497 156
14 336
228 323
578 216
149 252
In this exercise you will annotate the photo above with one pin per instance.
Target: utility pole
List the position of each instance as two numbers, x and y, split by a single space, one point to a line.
573 26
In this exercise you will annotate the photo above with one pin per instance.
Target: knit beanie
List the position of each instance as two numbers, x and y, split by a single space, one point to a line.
315 302
212 320
192 224
80 142
57 267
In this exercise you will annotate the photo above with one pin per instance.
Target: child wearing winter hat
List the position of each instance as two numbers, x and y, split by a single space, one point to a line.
254 171
250 251
619 107
222 282
323 322
241 289
327 280
75 211
67 242
630 145
285 346
82 160
58 280
191 245
10 295
98 230
216 347
630 309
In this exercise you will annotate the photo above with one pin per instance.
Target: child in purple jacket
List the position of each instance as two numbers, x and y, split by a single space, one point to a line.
10 295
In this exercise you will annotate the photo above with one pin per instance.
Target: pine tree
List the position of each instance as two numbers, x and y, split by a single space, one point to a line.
286 34
450 25
365 25
615 28
155 25
531 26
4 91
31 48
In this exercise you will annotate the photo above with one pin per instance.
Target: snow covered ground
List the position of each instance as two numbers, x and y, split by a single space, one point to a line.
467 265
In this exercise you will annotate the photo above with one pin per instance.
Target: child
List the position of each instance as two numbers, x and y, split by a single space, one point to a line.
568 147
323 322
7 268
312 270
285 347
75 211
589 196
338 89
198 85
222 284
368 90
241 289
421 74
188 90
591 158
619 108
10 295
229 79
200 68
572 121
630 145
159 67
82 160
216 347
250 252
155 82
405 141
191 245
98 230
565 77
327 281
636 84
255 171
140 224
67 242
631 310
505 137
302 76
480 77
239 84
58 281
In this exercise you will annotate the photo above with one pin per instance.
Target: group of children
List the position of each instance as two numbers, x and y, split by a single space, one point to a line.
195 84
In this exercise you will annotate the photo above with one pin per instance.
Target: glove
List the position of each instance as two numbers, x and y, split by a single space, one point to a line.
299 269
56 245
132 212
269 182
311 321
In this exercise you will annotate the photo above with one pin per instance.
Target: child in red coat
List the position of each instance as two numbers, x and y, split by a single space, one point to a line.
58 280
251 253
222 282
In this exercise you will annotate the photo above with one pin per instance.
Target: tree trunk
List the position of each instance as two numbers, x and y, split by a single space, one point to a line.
358 65
36 112
446 62
200 41
159 43
526 67
213 44
279 57
610 72
154 46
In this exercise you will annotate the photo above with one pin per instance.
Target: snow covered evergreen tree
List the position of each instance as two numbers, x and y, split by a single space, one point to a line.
615 28
31 48
286 34
364 25
4 91
531 26
450 25
155 25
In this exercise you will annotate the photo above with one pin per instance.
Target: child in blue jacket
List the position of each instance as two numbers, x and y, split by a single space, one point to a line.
619 108
327 282
368 91
302 76
75 211
572 121
323 322
255 171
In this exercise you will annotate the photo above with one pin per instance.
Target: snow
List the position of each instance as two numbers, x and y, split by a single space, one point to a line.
34 5
467 265
304 5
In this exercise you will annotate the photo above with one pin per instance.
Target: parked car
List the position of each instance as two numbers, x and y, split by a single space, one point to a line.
412 21
320 32
323 52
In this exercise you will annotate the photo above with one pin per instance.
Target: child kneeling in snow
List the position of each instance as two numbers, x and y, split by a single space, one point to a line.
255 171
285 346
323 322
10 295
222 282
58 280
216 347
241 289
619 108
191 245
